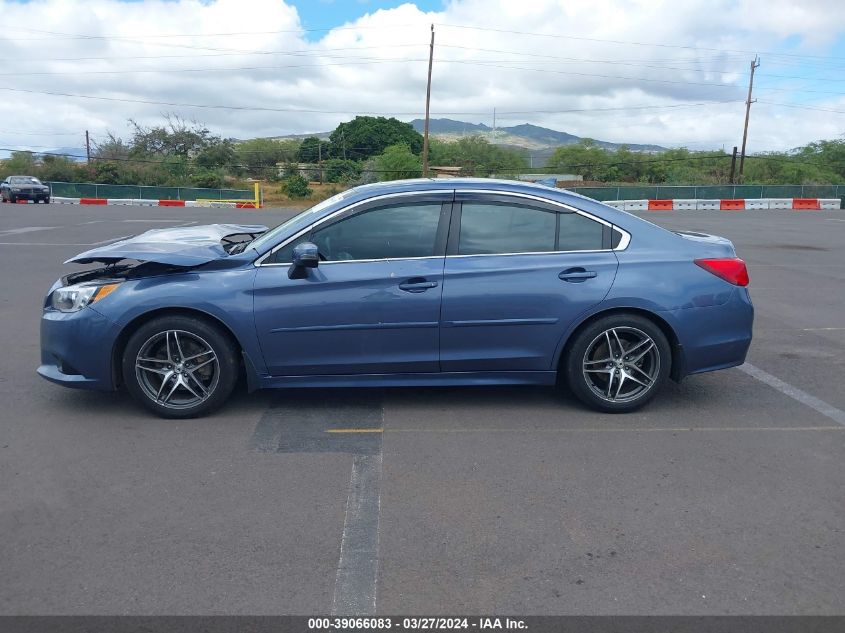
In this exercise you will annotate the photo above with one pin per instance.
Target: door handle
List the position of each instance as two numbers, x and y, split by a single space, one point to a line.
577 275
417 285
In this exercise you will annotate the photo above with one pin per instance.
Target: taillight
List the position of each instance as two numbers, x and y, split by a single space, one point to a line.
732 269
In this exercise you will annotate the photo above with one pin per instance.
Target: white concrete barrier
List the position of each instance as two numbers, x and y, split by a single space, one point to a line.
121 201
636 205
780 203
830 203
62 200
708 205
752 203
685 205
616 204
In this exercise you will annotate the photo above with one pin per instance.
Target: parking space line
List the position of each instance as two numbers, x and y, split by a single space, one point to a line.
43 244
111 239
172 221
357 569
827 410
701 429
27 229
355 431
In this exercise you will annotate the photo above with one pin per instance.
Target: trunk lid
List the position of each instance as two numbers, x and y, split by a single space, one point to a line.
715 246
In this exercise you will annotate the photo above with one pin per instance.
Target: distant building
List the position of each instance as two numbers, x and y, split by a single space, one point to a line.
558 177
445 171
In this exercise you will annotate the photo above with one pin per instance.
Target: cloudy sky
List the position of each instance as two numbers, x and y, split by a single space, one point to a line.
672 72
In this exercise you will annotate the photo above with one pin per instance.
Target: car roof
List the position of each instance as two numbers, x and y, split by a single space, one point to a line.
486 184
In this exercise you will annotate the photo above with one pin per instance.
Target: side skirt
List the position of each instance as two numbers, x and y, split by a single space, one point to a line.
413 380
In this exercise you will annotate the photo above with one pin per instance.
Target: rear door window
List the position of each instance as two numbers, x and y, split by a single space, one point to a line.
505 228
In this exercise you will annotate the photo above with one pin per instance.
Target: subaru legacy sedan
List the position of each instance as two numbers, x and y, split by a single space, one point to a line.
407 283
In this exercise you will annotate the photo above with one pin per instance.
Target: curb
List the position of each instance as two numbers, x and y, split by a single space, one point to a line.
247 204
726 204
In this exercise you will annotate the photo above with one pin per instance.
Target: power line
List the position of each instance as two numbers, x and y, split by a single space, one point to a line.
295 53
236 33
633 43
315 111
213 70
802 107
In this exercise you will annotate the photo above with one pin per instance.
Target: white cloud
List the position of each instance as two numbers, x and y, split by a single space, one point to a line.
349 70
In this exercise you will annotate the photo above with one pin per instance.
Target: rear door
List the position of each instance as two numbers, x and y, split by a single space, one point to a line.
518 272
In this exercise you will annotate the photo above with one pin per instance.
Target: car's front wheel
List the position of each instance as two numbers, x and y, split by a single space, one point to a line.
180 366
618 363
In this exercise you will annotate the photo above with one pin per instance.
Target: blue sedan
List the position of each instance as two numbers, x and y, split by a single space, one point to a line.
420 282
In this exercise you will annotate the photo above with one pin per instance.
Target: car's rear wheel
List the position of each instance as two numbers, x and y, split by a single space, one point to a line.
618 363
180 366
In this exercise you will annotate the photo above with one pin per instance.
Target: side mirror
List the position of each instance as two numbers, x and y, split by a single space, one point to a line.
305 255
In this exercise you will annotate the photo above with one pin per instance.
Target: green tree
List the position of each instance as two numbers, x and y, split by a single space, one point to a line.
218 156
175 137
366 136
477 157
107 172
60 169
312 150
19 163
397 162
208 178
259 156
342 171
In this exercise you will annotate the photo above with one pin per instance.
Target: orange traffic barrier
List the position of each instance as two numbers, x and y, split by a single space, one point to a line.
171 203
806 204
732 205
660 205
93 201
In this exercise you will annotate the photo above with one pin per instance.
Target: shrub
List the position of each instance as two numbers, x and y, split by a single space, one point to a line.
296 187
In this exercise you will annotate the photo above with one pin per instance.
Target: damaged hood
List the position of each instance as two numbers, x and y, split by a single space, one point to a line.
181 246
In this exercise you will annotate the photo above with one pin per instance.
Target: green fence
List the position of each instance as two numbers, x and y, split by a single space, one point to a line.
706 192
142 192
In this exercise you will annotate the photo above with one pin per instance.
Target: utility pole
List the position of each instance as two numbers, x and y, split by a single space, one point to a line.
427 102
320 158
494 122
733 167
748 103
87 147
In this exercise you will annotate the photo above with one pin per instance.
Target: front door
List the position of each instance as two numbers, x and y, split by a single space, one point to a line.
518 273
372 306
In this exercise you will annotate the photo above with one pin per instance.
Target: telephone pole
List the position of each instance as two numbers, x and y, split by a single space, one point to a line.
748 103
732 180
87 147
427 102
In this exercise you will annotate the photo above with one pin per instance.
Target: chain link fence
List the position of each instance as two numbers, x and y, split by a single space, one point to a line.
708 192
142 192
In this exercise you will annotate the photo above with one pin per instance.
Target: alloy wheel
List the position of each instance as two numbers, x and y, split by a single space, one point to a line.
177 369
621 364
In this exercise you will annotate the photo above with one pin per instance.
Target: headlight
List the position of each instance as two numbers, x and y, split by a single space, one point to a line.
74 298
16 188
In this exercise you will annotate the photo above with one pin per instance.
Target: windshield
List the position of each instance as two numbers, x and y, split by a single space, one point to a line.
270 236
24 180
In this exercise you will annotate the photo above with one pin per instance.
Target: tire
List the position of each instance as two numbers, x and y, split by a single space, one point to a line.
12 199
158 376
601 375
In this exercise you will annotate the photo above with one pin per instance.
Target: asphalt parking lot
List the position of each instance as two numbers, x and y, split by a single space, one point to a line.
726 495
